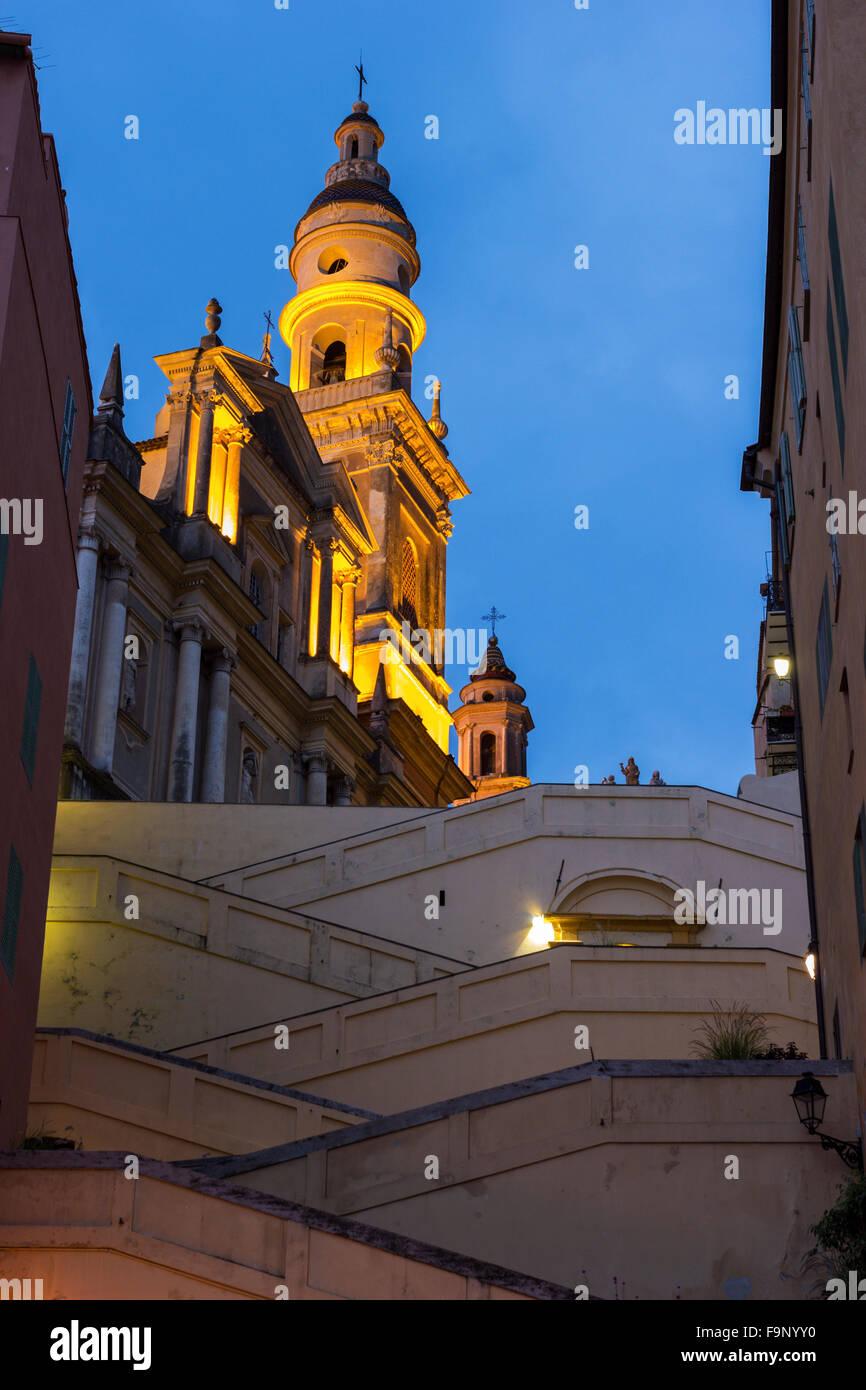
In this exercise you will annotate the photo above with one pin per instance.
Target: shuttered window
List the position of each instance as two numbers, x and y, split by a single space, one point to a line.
4 555
787 476
834 556
824 648
838 283
837 382
859 866
807 101
70 410
30 732
796 374
11 913
804 271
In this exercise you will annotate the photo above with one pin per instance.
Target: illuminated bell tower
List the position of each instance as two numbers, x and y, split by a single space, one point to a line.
492 724
353 329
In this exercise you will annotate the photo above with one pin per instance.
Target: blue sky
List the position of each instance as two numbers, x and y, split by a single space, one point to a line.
601 387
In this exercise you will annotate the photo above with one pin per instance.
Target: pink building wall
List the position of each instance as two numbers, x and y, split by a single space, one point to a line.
41 350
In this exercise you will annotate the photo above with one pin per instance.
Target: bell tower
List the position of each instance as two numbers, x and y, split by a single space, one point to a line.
492 725
353 329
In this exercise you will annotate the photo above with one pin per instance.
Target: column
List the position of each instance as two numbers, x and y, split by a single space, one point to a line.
88 565
182 764
348 581
110 665
202 460
343 794
326 598
213 778
231 493
317 780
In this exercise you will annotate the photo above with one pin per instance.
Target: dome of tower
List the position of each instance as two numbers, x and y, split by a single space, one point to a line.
357 191
493 664
357 117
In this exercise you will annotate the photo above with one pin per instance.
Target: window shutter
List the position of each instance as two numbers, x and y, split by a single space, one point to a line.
70 410
30 733
787 476
804 270
11 913
859 897
796 374
4 555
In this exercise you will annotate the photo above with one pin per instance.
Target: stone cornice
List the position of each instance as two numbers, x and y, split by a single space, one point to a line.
391 412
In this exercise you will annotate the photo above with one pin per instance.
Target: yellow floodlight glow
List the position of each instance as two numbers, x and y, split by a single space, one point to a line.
541 933
811 964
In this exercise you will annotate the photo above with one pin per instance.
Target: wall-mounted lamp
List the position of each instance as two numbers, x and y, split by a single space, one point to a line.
810 960
810 1100
782 667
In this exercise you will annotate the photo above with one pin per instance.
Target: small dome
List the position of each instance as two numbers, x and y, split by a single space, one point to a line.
356 118
360 191
493 665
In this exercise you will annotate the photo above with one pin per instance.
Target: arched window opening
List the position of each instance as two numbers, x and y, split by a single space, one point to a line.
403 278
336 266
333 364
488 754
404 366
353 148
409 584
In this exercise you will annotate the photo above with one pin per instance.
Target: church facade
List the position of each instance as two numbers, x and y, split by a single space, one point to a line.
243 572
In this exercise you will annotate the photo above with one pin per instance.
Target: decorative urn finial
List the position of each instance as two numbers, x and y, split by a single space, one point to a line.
436 423
387 355
213 320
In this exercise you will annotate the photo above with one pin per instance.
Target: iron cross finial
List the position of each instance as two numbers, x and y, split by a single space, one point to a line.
494 617
362 81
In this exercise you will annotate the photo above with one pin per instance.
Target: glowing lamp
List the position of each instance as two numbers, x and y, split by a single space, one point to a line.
782 666
542 932
811 963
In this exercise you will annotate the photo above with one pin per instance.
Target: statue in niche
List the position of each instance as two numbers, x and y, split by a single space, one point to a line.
128 684
250 779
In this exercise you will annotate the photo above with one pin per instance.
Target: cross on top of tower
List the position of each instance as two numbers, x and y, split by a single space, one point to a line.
494 617
362 81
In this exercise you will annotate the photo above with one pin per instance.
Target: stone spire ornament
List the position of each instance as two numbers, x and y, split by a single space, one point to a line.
387 355
270 370
436 423
110 411
213 309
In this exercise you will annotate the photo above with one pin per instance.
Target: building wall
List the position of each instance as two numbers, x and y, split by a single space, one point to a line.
831 150
170 1236
100 1094
581 1177
163 962
41 350
588 854
520 1018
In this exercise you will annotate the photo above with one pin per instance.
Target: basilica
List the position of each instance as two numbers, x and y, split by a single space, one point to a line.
243 570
